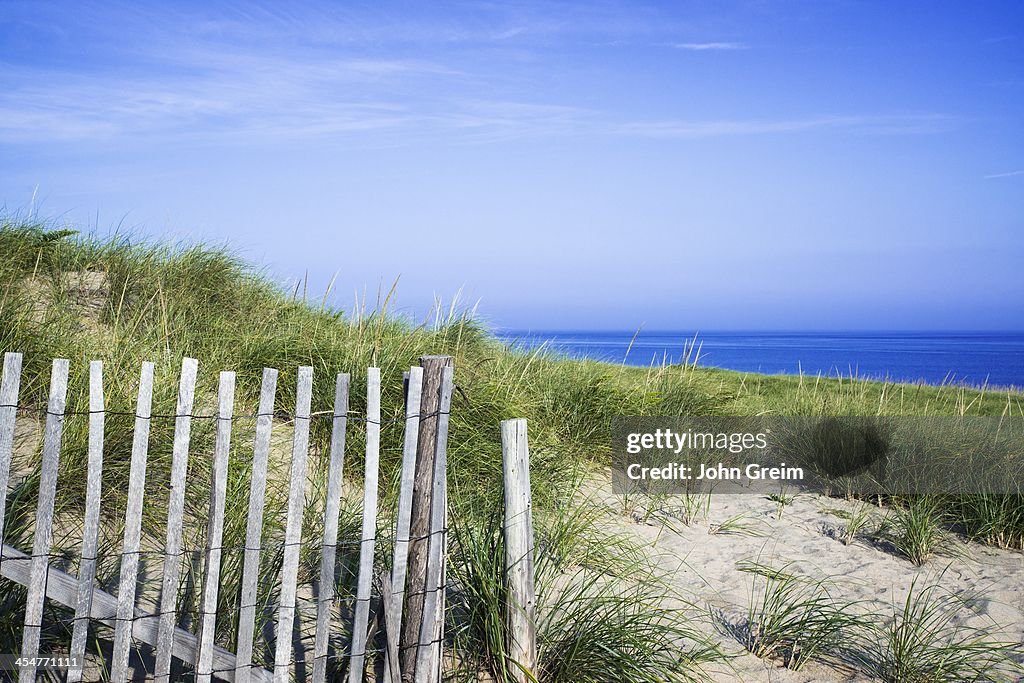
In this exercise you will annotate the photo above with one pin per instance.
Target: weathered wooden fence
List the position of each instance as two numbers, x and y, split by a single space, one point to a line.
416 585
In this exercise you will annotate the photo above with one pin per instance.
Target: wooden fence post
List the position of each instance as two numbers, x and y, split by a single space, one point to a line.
520 610
44 519
426 452
428 656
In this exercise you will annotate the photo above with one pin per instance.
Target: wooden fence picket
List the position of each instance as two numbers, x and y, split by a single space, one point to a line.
368 535
9 388
215 527
329 547
91 528
254 528
132 529
293 527
396 596
175 517
54 431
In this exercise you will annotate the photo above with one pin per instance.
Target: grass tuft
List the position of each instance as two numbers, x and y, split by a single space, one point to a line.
914 530
923 642
792 618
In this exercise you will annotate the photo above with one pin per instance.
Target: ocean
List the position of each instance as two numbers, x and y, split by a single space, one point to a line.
931 357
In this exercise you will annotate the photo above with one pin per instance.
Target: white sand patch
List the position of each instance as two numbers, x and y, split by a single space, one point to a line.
807 541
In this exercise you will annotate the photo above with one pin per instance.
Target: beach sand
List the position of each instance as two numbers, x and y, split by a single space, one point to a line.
702 566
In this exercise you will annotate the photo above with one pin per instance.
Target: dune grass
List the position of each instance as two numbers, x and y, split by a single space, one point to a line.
857 521
994 519
124 302
922 642
792 618
915 530
602 613
605 612
795 619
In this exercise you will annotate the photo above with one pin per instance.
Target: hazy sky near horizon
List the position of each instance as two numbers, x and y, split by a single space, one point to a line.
600 165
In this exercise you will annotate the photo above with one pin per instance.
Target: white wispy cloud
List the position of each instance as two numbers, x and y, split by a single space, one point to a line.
700 47
1008 174
256 99
496 120
320 73
234 82
509 33
261 99
279 98
878 124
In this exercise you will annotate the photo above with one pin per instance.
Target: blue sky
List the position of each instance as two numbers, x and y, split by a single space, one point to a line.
603 165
